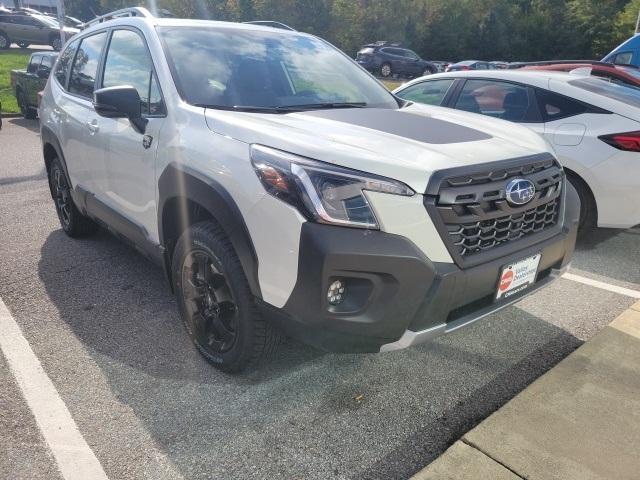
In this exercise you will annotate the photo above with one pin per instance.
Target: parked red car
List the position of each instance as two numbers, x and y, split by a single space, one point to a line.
626 74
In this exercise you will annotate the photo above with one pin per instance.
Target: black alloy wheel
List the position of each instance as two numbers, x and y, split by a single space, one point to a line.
61 196
217 307
212 313
73 222
56 43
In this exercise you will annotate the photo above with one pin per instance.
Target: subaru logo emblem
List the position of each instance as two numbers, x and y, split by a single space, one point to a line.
520 191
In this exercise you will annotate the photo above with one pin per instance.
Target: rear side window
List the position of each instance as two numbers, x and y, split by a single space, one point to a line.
625 94
128 63
553 106
34 64
623 58
504 100
85 65
47 61
430 93
64 63
366 51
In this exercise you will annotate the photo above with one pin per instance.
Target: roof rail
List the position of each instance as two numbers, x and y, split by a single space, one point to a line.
125 12
515 65
271 23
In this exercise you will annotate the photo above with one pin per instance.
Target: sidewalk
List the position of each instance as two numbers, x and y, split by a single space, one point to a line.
579 421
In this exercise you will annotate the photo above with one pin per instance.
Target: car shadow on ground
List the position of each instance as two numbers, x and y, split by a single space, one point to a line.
32 125
609 252
303 412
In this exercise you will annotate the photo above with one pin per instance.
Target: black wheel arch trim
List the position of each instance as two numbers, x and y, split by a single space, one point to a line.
49 138
184 184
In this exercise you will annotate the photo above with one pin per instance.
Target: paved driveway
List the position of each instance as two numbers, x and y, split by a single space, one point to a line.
101 321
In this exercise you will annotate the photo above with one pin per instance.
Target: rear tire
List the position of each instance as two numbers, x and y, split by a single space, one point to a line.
4 41
27 112
385 70
74 223
216 303
588 207
56 43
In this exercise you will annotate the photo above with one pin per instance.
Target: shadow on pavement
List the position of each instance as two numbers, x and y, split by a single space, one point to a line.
32 125
609 252
304 414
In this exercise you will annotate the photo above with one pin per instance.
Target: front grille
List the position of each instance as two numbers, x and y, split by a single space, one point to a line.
476 217
470 238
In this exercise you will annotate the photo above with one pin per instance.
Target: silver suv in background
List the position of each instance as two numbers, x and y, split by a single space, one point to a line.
24 29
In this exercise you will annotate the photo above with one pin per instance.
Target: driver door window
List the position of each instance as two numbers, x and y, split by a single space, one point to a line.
504 100
128 63
429 93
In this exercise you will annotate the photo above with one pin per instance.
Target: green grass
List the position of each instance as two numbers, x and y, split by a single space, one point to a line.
391 84
10 60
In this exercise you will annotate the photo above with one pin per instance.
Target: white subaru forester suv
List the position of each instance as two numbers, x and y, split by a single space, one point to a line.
284 189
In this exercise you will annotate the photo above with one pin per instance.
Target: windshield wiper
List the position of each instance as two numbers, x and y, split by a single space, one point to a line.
241 108
322 106
284 108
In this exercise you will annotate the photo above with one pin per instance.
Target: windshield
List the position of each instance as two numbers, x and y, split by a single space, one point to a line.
622 93
47 20
235 68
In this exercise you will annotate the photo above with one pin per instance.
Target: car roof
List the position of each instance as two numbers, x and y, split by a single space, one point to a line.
181 22
538 78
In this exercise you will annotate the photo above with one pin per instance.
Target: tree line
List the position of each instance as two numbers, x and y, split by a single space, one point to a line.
507 30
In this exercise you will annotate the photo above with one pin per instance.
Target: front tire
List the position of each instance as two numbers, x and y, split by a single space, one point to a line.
215 302
74 223
588 207
27 112
385 70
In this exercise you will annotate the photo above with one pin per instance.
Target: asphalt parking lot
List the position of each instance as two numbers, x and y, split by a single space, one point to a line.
105 328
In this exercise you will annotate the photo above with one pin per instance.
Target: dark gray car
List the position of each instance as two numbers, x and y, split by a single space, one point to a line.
25 29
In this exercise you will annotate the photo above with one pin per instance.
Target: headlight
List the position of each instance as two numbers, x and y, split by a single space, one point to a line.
323 192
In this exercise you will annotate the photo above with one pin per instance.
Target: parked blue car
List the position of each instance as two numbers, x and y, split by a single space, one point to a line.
627 53
389 59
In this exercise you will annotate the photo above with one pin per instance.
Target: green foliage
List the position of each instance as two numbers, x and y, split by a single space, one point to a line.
10 60
436 29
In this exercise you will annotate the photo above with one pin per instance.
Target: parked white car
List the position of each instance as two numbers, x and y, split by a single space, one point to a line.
593 125
279 184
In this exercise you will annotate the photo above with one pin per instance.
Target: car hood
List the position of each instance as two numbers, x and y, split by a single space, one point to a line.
406 144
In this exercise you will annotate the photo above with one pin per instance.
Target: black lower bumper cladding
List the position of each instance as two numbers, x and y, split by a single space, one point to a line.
391 287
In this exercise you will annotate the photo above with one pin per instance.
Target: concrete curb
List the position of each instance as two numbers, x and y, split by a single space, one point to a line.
578 421
10 115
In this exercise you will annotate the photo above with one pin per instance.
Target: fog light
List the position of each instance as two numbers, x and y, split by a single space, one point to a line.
335 294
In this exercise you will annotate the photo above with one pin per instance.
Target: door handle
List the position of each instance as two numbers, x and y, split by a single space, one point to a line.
93 126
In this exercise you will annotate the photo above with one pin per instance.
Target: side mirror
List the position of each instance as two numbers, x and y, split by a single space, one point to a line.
120 102
43 72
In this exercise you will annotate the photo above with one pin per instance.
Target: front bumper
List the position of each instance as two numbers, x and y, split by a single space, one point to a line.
395 297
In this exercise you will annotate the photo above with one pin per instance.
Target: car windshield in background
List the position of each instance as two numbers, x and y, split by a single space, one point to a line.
241 68
622 93
47 20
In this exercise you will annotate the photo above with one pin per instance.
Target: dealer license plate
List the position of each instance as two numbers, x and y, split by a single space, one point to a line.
518 276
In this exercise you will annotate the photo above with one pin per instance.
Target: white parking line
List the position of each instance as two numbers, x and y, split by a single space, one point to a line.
604 286
74 457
